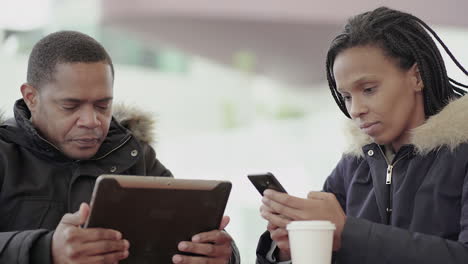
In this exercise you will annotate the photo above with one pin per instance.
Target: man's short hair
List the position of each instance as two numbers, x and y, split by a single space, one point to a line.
63 47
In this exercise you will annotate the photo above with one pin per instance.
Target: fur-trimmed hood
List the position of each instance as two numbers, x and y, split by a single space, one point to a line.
448 128
138 121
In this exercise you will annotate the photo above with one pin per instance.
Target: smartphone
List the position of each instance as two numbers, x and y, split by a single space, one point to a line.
266 181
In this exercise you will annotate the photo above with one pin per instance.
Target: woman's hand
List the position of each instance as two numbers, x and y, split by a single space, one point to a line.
280 208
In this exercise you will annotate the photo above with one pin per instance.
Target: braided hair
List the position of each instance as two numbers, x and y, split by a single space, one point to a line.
403 37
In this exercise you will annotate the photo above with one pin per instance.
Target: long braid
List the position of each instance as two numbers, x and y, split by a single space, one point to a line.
457 87
425 53
339 101
332 83
443 45
457 83
404 37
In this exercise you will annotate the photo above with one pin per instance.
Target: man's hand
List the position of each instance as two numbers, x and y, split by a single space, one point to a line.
280 208
72 244
215 246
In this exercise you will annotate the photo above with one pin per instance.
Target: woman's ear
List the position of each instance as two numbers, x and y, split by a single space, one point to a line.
30 96
416 78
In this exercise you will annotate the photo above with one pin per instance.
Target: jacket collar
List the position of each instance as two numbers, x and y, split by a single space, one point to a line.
448 128
127 122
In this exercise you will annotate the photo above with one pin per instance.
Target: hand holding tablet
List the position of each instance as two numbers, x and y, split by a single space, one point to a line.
156 213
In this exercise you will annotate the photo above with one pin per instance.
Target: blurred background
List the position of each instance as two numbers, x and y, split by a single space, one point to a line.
236 87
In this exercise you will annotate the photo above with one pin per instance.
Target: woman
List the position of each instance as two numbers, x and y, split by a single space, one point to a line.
400 194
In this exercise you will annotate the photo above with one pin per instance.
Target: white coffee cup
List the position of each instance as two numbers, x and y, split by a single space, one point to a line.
311 241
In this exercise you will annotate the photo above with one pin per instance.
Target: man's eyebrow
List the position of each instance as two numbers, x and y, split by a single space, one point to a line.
70 100
74 100
104 100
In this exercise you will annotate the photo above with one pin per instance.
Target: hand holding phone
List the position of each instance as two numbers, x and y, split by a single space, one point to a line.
266 181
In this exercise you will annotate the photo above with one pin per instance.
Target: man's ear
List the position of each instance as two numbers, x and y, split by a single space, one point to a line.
416 77
30 96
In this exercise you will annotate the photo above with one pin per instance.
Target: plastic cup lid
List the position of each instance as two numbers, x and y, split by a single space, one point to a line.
313 224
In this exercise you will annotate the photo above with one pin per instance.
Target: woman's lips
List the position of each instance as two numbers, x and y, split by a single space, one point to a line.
370 128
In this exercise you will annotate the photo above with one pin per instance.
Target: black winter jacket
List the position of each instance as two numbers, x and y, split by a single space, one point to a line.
421 215
38 184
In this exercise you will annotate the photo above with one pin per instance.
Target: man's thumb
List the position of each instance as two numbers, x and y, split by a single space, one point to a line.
83 213
224 222
78 218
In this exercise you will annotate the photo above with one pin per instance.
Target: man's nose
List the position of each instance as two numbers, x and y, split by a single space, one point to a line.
88 118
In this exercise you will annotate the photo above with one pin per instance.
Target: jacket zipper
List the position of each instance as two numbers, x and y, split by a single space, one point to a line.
76 165
103 156
388 182
389 174
49 142
114 149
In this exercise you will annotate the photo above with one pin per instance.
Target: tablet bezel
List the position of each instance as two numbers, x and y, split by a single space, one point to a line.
181 203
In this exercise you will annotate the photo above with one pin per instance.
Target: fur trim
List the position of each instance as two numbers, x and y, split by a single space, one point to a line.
141 123
448 128
356 138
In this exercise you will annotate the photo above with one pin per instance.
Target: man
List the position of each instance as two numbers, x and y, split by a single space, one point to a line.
62 137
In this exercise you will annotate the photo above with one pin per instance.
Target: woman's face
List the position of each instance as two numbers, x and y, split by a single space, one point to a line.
384 100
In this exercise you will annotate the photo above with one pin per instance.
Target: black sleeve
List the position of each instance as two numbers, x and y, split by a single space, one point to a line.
264 245
337 181
235 257
26 247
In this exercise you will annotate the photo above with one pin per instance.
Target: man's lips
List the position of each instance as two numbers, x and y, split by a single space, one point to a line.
87 141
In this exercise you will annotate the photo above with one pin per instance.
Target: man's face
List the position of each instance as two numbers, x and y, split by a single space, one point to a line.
385 101
74 110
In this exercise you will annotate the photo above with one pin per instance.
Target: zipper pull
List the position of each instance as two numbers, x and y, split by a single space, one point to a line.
389 174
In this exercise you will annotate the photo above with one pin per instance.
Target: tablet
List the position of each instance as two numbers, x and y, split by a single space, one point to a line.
155 213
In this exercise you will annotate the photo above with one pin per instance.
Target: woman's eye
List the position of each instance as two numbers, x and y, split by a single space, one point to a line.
369 89
346 97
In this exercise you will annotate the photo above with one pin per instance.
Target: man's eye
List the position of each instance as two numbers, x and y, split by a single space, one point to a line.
102 107
69 107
